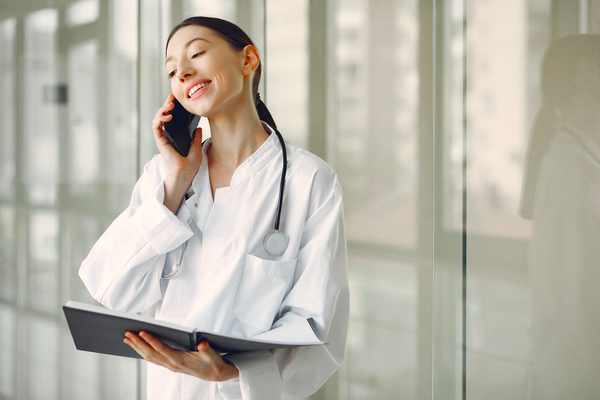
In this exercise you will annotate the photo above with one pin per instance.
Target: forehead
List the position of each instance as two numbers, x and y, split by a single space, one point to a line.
187 33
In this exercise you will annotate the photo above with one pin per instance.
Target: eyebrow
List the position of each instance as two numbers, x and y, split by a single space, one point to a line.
186 46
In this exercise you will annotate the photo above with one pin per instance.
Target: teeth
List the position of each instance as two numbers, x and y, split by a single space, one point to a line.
195 88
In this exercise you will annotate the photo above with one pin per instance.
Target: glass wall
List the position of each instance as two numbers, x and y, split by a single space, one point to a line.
463 132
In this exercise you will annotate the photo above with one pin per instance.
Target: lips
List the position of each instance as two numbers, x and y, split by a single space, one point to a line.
194 83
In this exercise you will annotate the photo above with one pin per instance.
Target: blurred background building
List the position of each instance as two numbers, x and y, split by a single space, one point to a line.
423 108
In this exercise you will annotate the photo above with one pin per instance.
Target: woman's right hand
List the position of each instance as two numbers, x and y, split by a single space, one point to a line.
182 170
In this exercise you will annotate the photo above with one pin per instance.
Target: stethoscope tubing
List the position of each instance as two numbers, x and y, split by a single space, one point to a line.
276 231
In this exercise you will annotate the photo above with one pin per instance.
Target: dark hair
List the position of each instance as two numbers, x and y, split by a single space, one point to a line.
237 39
558 92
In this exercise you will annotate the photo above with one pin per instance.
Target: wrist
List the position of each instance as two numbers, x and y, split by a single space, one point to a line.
175 189
227 371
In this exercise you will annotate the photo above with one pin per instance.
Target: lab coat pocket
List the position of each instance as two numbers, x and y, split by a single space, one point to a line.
263 286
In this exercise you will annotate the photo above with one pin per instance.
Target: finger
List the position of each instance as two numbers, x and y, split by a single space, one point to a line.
157 124
134 347
165 109
206 352
146 350
195 153
170 98
158 345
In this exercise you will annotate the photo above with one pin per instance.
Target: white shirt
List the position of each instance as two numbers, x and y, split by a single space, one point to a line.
227 282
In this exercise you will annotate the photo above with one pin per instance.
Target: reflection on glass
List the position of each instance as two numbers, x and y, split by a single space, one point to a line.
8 253
376 92
40 161
382 341
7 352
82 370
121 125
82 12
42 288
85 146
42 363
225 9
286 68
562 198
7 109
502 97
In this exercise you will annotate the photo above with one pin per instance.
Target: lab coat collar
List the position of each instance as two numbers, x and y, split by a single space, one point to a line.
583 138
246 169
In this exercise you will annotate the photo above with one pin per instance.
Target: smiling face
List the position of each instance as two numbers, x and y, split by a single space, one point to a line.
207 75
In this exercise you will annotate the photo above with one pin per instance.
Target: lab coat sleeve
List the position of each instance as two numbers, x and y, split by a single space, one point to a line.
320 291
123 269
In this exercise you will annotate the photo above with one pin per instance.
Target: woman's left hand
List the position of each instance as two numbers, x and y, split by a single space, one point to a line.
205 364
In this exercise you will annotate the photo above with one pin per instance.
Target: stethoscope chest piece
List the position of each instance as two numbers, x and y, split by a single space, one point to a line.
275 243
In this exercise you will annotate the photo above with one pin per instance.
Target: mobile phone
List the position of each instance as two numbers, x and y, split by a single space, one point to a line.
181 128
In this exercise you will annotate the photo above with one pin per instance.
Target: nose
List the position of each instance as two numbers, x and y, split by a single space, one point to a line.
184 70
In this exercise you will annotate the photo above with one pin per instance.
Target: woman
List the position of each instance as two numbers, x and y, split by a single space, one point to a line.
562 197
208 215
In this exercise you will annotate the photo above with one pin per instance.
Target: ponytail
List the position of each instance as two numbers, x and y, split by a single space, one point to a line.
263 111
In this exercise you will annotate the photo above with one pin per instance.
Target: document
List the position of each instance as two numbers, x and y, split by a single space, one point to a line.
101 330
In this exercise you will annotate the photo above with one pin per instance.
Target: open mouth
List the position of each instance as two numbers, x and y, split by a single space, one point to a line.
195 89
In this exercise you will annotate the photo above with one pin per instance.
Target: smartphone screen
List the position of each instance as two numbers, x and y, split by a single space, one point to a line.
181 128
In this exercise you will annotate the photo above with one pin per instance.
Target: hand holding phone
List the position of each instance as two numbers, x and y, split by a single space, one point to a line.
181 128
182 152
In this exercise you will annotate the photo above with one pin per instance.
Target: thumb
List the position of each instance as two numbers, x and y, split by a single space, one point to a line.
196 147
203 346
197 140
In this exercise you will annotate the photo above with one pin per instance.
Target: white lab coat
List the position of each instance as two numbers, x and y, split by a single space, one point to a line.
564 266
227 282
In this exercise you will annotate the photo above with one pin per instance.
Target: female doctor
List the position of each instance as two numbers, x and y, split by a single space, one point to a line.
206 239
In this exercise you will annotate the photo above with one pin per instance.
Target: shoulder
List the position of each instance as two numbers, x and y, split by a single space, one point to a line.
311 175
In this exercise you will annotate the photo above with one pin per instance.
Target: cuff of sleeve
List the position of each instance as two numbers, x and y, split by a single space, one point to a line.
163 230
230 389
259 376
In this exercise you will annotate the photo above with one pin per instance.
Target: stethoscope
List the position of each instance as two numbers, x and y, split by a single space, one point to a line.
275 242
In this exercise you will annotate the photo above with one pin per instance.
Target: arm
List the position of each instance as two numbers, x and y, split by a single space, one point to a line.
123 269
321 292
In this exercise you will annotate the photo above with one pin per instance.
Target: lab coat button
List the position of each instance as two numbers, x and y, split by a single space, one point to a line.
196 205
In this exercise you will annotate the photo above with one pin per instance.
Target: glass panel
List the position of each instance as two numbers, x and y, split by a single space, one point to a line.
82 12
375 141
7 352
286 69
43 273
83 108
8 253
384 321
40 162
122 98
374 147
225 9
80 371
42 365
7 109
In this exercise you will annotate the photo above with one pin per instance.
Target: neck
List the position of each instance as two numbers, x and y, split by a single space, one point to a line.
235 137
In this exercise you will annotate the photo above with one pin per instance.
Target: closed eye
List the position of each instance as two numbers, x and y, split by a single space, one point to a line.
173 72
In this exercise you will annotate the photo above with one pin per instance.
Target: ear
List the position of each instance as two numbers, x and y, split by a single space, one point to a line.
251 59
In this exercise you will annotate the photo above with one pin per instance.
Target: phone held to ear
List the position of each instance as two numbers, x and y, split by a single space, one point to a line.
181 128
